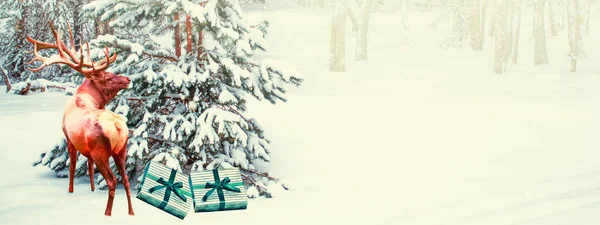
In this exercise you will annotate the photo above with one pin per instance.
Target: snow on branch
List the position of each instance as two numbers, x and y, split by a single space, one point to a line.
281 68
112 41
42 85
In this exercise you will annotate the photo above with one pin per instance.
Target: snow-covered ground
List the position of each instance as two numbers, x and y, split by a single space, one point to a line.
415 135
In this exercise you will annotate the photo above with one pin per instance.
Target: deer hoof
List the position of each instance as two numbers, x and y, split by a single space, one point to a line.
107 213
131 213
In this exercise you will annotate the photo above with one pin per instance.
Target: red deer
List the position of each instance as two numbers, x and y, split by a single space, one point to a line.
89 128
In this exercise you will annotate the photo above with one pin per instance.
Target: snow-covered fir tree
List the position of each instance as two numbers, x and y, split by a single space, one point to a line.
19 18
192 68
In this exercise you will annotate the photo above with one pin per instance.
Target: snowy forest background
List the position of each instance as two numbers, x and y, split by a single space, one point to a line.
451 100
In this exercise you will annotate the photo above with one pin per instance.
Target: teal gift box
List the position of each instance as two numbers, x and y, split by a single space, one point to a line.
166 189
218 190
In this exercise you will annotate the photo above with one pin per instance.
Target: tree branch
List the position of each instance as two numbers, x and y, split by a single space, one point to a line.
142 99
250 179
144 53
252 64
136 99
160 57
25 90
156 138
265 174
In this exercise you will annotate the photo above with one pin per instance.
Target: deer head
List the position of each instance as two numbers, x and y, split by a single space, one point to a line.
107 83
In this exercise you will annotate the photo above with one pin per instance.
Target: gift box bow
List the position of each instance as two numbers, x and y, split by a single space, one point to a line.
171 187
218 186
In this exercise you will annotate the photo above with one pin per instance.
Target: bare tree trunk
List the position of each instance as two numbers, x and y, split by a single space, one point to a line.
459 27
539 33
177 35
338 37
492 20
407 35
502 38
21 29
517 19
561 17
498 67
475 27
21 26
482 22
188 31
575 45
551 17
586 18
363 31
508 30
77 22
6 79
98 27
102 27
200 46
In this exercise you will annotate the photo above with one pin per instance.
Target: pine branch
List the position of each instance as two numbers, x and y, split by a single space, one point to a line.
145 53
156 138
231 109
252 64
168 58
48 86
261 188
142 99
264 174
134 4
136 99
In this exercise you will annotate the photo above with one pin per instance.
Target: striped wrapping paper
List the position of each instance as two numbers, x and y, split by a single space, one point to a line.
158 187
224 187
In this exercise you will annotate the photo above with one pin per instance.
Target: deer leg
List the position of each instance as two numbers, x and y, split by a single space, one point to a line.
100 152
120 161
104 168
91 172
73 162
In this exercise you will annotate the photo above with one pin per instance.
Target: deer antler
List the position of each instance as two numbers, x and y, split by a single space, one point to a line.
68 56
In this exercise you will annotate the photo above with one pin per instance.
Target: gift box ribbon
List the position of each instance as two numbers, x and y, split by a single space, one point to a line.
218 186
171 187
